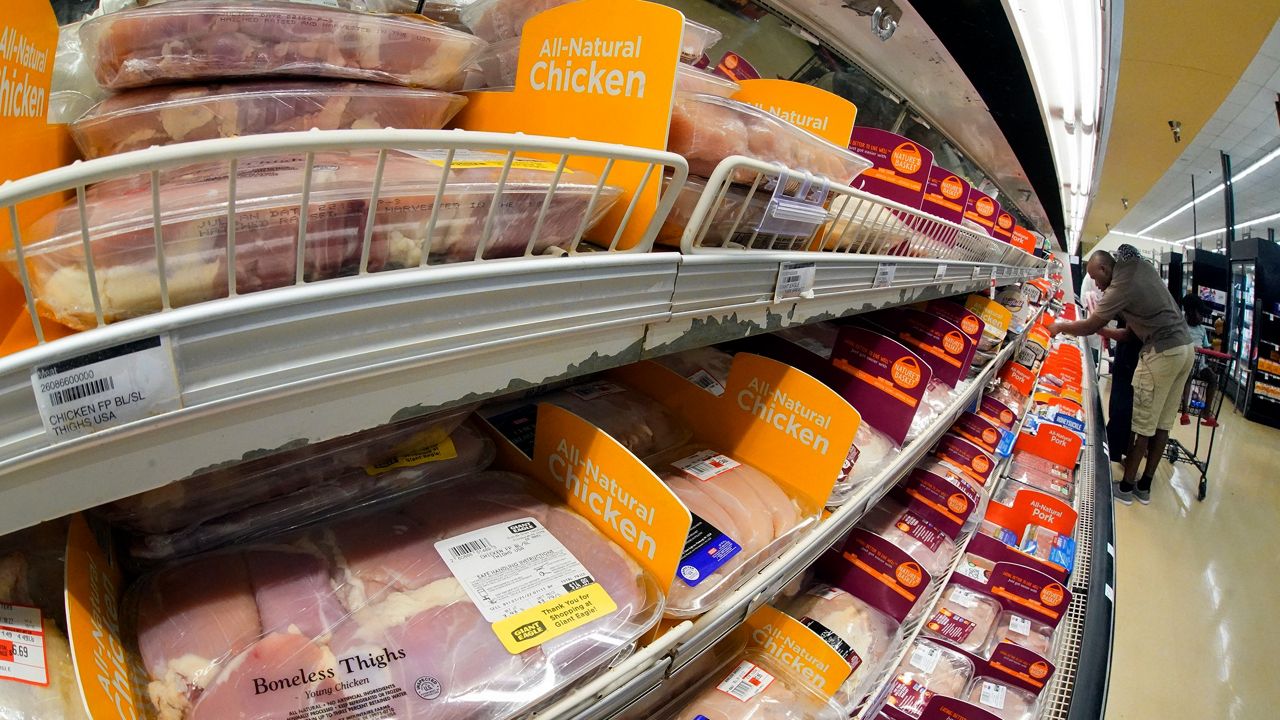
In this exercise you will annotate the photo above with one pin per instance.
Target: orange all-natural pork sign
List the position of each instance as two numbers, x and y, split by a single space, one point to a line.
828 116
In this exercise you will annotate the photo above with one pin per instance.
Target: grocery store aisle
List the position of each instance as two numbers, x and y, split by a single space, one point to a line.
1196 585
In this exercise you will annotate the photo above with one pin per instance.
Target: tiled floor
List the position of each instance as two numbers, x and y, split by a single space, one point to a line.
1198 586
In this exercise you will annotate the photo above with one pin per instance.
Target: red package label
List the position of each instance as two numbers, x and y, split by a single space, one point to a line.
951 626
946 195
907 697
6 651
884 379
875 571
736 68
899 167
977 430
1004 226
1018 377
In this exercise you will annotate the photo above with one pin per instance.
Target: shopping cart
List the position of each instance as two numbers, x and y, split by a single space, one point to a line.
1206 393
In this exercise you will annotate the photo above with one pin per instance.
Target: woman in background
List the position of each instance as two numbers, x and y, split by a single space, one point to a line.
1194 310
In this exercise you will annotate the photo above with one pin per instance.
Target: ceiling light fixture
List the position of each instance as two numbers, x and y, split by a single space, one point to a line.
1238 226
1213 191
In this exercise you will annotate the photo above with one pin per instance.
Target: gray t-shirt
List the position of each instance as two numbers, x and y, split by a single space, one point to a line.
1139 294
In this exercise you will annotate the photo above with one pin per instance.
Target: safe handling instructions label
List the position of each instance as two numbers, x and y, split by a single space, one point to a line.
22 645
524 582
102 389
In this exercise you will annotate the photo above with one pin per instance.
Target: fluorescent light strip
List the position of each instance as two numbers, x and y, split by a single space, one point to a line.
1144 237
1214 191
1238 226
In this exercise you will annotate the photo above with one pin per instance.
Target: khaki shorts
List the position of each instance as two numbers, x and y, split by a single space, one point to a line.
1157 388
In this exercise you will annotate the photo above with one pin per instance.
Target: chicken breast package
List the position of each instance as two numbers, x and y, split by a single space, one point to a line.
37 678
706 129
202 40
239 505
735 217
754 687
742 520
928 669
409 229
398 613
640 423
862 634
166 115
706 367
914 535
499 20
965 618
1002 700
1024 632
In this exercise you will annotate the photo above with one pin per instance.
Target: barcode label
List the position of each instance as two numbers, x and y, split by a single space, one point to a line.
968 569
105 388
706 464
22 653
706 381
795 279
964 598
884 275
940 272
977 271
467 548
593 390
746 681
993 695
1019 625
925 657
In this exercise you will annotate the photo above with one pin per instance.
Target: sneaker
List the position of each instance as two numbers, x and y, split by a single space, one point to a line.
1121 494
1142 496
1185 420
1209 421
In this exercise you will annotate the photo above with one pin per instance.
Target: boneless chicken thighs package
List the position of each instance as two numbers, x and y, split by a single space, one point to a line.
409 227
217 39
415 611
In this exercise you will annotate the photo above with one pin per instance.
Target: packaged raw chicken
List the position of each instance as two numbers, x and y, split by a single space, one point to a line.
928 669
733 219
269 190
937 398
964 618
865 226
709 662
1002 700
871 451
295 488
742 520
818 338
690 79
37 679
391 614
1023 631
498 20
167 115
706 367
639 422
861 633
706 129
754 687
914 535
219 39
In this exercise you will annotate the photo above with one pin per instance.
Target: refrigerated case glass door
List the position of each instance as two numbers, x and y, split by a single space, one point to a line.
1242 311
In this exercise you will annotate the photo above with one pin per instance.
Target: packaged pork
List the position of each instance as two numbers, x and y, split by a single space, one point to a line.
1043 474
863 634
193 209
914 535
499 20
928 669
201 40
1020 630
37 678
1002 699
397 613
167 115
755 686
964 618
742 520
244 502
706 129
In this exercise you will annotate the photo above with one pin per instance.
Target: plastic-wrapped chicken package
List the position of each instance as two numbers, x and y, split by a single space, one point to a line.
818 338
215 39
708 663
706 367
1003 700
167 115
1023 631
935 401
787 672
369 612
928 669
73 90
872 450
706 129
192 220
741 513
736 216
964 618
37 678
996 317
862 634
866 226
499 20
916 536
244 501
977 567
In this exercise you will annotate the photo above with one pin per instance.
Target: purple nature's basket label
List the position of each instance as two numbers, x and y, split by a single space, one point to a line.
875 571
997 412
966 456
945 195
943 504
900 167
1018 666
881 377
951 626
982 209
978 430
941 707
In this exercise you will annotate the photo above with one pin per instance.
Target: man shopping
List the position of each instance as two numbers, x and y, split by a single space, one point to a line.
1132 288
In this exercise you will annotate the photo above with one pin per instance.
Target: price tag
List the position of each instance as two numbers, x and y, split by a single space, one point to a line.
106 388
925 657
977 271
940 272
22 656
795 280
884 275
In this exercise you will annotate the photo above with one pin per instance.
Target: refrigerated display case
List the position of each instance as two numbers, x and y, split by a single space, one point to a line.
1171 270
1255 329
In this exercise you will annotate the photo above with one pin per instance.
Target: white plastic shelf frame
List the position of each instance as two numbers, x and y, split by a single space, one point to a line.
632 680
846 253
317 360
